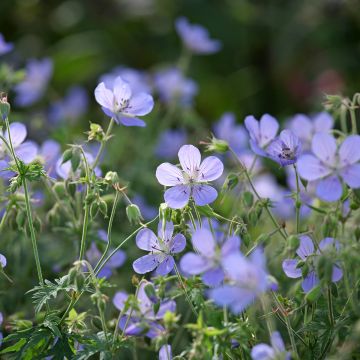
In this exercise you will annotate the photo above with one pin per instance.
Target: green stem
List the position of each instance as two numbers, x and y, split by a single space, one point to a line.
297 201
103 143
330 307
353 119
266 207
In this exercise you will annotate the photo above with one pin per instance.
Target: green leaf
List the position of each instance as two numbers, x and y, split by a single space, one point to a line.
16 347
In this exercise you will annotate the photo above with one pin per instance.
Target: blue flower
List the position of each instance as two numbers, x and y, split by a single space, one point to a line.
30 90
170 142
275 351
4 46
196 38
122 104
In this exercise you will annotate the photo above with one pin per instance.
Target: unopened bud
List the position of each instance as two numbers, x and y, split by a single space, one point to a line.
111 177
133 214
4 106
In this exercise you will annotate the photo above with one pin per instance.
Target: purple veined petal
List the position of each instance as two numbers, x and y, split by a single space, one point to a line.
349 152
324 147
329 189
262 352
104 97
194 264
268 129
252 126
165 266
147 240
311 168
18 133
203 241
301 125
178 196
277 342
290 139
329 243
145 304
337 274
190 158
27 151
155 330
135 329
256 148
290 269
166 306
203 194
310 281
165 353
210 169
130 121
110 113
122 91
323 122
146 263
119 299
169 175
165 233
351 175
177 243
231 245
213 277
140 104
306 247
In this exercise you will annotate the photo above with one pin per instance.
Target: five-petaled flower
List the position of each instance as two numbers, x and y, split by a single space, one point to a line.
306 252
190 181
208 260
285 149
329 164
161 247
122 104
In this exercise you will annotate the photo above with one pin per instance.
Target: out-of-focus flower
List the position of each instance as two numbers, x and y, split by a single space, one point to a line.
122 104
147 211
32 88
261 132
235 135
305 127
209 257
165 353
306 252
73 106
247 280
142 321
3 262
161 247
191 180
49 153
4 46
170 142
196 38
329 164
137 80
172 86
285 149
275 351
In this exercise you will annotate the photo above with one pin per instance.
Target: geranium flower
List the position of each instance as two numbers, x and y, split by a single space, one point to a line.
161 247
196 38
275 351
306 252
330 164
190 181
209 257
120 103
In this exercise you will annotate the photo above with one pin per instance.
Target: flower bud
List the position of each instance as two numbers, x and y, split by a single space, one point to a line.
150 292
67 155
293 242
218 146
60 189
333 102
133 214
170 319
248 198
4 106
111 177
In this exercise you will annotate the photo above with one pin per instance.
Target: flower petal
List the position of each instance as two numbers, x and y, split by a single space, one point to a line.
146 263
252 126
203 241
122 90
324 147
169 175
27 151
210 169
311 168
190 158
165 266
147 240
277 342
194 264
351 175
18 133
268 129
165 353
231 245
323 122
140 104
130 121
119 299
349 152
290 269
310 281
306 247
262 352
104 97
337 274
213 277
203 194
177 243
178 196
329 189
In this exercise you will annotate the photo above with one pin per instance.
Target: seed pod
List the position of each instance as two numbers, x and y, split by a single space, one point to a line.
103 207
111 177
67 155
293 242
150 292
133 214
248 198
